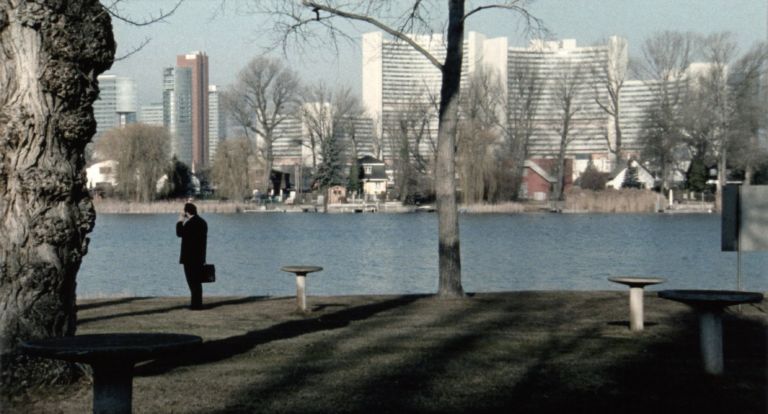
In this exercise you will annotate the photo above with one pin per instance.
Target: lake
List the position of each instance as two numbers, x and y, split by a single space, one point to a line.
137 255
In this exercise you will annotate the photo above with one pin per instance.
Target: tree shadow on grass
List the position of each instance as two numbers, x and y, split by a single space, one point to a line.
507 361
166 309
218 350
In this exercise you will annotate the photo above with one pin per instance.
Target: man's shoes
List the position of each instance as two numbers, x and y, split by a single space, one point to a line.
196 307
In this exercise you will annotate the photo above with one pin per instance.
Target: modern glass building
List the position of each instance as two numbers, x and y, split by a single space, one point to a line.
117 104
151 114
185 108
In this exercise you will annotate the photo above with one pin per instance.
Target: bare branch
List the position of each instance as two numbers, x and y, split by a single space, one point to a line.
376 23
133 51
114 12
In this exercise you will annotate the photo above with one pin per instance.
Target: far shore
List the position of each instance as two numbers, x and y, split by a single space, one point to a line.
624 201
524 352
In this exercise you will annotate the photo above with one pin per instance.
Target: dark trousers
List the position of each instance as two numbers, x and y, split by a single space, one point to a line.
194 274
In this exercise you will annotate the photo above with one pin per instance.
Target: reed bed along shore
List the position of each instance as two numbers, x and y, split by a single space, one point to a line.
612 201
608 201
113 206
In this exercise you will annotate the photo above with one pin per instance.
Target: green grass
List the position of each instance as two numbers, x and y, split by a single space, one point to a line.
564 352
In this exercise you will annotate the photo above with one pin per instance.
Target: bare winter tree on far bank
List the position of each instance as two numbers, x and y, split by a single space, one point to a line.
142 153
566 97
297 21
232 168
265 94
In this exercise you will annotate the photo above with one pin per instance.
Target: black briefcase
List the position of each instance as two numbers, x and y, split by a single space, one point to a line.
209 273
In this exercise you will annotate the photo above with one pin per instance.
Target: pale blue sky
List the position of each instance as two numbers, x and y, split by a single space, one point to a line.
231 38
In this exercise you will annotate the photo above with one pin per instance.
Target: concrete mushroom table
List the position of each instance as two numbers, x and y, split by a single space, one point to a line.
636 289
709 304
112 357
301 275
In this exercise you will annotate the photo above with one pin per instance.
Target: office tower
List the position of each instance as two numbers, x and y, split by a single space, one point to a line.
398 80
185 108
117 103
151 114
395 77
217 125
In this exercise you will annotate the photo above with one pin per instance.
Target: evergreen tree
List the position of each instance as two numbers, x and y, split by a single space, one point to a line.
179 179
631 179
330 172
353 182
697 175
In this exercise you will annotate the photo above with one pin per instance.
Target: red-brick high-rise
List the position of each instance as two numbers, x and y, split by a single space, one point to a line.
197 63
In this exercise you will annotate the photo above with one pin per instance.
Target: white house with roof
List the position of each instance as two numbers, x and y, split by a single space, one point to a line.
646 179
101 174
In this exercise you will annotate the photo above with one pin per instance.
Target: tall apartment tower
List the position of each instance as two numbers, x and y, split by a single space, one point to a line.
117 104
185 108
397 79
217 125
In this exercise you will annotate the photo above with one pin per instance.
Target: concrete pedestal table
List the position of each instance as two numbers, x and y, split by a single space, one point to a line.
709 304
301 275
112 357
636 288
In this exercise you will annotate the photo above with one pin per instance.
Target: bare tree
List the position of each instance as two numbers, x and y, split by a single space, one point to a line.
297 19
231 168
566 95
520 109
608 90
478 136
330 119
406 130
142 153
264 95
666 58
52 54
750 114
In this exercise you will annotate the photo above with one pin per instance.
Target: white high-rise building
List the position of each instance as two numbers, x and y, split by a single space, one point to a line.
398 80
217 125
117 104
395 77
151 114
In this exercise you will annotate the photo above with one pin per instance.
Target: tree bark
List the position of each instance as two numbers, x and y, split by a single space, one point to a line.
445 182
51 53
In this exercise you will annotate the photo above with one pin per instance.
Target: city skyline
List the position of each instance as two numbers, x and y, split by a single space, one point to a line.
231 39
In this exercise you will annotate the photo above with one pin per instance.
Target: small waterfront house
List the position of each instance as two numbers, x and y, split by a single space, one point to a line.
373 176
539 178
102 174
337 194
644 177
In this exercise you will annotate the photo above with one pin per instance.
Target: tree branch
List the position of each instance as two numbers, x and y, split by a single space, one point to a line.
114 12
376 23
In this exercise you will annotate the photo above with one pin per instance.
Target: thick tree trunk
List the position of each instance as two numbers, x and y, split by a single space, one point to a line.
445 181
51 53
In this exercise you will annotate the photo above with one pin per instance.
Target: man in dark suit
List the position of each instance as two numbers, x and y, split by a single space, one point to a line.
193 231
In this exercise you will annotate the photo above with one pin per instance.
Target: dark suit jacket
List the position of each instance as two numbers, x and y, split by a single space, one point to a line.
194 238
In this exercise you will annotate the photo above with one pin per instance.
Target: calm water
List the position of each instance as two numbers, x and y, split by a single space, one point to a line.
397 253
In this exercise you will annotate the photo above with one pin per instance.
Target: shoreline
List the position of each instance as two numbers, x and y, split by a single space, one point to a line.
226 207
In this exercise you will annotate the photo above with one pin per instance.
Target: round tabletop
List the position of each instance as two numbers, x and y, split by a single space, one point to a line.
130 347
301 269
711 298
633 281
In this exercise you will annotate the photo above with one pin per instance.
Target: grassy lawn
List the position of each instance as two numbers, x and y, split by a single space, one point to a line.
565 352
